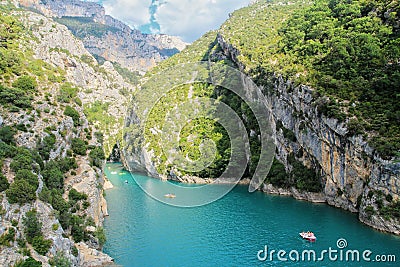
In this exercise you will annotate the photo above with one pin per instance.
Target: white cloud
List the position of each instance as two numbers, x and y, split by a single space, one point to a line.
132 12
189 19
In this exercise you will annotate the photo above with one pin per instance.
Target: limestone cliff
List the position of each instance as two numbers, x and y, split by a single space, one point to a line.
107 37
350 169
66 76
352 174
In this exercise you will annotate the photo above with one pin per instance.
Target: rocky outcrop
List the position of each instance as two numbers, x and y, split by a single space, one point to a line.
117 42
98 83
67 62
349 168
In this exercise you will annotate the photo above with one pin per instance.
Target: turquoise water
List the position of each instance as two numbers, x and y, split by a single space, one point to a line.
229 232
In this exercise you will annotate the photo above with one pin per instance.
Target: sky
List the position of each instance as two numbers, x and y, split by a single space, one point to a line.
187 19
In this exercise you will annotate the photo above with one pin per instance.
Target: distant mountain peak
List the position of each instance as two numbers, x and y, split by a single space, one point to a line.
106 37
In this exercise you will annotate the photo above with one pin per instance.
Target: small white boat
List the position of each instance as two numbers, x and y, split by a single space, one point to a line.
113 172
308 236
170 195
126 181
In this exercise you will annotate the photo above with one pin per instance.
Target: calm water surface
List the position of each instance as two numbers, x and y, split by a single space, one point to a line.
144 232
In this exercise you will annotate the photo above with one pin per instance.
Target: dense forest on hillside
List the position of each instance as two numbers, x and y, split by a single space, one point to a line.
347 50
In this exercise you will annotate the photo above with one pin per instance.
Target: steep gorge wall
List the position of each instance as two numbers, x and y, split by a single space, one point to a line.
349 168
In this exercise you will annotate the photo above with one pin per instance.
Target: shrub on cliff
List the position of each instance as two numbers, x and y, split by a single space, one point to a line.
67 92
52 175
28 176
21 192
4 184
46 146
71 112
74 195
41 245
97 156
25 84
32 226
78 146
59 260
29 262
7 134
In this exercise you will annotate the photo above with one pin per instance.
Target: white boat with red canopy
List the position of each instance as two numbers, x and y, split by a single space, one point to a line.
308 236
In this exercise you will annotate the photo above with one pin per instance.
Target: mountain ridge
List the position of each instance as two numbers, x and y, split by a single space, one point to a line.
116 42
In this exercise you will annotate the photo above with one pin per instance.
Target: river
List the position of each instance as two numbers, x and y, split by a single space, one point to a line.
236 230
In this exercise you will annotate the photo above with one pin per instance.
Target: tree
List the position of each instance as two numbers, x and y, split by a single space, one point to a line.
26 84
29 262
78 146
41 245
32 226
28 176
46 146
97 156
9 30
21 192
74 195
23 160
71 112
7 134
4 184
52 175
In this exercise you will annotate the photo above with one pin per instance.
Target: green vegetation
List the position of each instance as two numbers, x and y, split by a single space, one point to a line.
4 184
192 134
75 196
129 76
97 156
84 26
277 175
71 112
300 177
59 260
24 81
7 134
8 237
33 233
21 192
46 146
288 134
78 146
100 235
347 50
97 114
53 176
32 226
41 245
28 176
29 262
392 210
67 93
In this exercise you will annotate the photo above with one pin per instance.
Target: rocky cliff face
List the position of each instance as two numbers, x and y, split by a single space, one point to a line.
107 37
352 174
100 104
350 169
